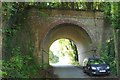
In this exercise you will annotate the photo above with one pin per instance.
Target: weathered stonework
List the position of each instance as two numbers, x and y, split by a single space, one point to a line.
85 28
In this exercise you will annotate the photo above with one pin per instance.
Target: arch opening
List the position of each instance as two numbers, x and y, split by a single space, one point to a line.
72 32
63 52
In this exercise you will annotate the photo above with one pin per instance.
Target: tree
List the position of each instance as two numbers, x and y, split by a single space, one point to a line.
116 27
53 58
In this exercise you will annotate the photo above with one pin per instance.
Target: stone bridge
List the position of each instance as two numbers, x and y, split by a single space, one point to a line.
84 28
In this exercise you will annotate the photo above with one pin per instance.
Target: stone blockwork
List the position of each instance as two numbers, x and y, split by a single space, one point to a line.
85 28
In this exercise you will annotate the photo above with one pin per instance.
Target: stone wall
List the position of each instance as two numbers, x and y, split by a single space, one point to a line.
46 23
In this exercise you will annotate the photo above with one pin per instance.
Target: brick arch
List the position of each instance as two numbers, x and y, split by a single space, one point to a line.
68 21
45 43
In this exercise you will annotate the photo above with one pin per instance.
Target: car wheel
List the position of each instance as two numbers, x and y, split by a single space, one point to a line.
84 71
91 73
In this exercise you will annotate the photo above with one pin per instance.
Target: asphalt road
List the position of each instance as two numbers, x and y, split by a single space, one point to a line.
69 72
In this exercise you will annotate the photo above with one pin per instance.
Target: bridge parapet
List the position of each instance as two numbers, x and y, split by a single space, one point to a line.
73 13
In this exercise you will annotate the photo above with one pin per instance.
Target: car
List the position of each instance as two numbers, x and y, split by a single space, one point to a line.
95 66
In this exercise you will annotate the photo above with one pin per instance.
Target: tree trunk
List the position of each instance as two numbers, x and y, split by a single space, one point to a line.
62 5
72 5
89 5
117 50
0 34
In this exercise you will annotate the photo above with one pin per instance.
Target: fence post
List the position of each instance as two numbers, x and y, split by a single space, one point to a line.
43 53
42 58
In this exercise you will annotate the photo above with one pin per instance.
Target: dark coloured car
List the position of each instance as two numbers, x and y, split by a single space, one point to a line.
95 66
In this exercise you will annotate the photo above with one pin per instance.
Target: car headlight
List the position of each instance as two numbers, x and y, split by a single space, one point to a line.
108 67
94 68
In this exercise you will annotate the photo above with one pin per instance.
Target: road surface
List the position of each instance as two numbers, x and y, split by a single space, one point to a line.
69 72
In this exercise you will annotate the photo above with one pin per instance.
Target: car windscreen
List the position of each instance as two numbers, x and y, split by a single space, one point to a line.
96 61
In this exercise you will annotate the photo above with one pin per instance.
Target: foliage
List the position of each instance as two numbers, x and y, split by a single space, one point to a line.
108 55
20 66
107 11
17 64
53 58
10 9
74 47
111 11
75 63
13 26
108 49
65 48
66 51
